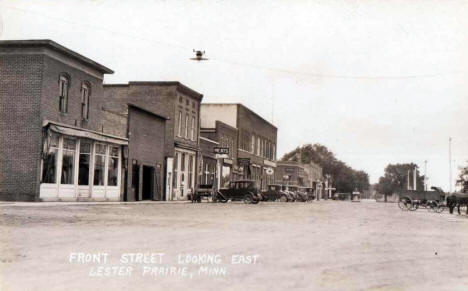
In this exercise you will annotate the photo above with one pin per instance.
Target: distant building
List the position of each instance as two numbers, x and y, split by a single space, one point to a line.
256 140
221 136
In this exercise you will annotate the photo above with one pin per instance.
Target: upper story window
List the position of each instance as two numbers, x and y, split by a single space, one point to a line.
179 131
186 125
253 145
64 84
180 99
187 102
85 90
193 128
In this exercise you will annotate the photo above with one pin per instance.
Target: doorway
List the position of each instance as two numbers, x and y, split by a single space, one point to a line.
148 183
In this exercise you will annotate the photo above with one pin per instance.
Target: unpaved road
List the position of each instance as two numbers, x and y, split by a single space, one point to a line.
323 245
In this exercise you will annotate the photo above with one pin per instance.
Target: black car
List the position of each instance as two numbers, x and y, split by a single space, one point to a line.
275 192
246 190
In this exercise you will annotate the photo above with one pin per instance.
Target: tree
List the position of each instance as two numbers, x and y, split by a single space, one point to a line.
463 179
396 179
345 179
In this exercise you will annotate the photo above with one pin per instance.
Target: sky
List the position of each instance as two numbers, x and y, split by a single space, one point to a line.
377 82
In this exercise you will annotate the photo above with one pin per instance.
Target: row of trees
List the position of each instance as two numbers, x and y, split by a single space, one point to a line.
343 177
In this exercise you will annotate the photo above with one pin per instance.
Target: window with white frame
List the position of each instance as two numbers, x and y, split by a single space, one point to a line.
84 162
50 162
258 146
193 128
113 166
85 90
68 161
176 170
64 83
186 125
253 145
99 164
179 120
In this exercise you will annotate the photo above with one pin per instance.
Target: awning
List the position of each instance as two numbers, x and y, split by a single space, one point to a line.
87 134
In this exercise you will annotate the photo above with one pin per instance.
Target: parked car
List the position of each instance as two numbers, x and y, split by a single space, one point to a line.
293 191
289 195
299 195
275 192
310 193
246 190
203 190
303 195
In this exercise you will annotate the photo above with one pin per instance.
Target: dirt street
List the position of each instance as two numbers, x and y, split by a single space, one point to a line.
325 245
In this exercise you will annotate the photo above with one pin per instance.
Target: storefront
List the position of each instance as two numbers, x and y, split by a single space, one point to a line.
80 165
183 173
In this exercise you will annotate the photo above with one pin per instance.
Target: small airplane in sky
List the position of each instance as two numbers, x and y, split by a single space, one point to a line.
199 56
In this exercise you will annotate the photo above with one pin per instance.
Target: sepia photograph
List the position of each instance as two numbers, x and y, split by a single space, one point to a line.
234 145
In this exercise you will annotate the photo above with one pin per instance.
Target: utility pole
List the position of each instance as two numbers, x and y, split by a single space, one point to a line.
425 175
450 165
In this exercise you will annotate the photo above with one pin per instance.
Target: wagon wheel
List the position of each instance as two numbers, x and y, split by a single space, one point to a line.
405 203
414 206
440 208
431 206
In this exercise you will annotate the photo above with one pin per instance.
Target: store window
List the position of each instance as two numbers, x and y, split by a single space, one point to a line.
84 162
99 164
176 170
49 173
182 173
68 161
190 172
226 176
113 166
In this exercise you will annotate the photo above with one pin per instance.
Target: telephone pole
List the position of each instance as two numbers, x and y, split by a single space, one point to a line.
425 175
450 165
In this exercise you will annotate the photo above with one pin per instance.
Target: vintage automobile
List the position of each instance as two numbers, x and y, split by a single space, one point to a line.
310 193
301 194
342 196
242 190
275 192
297 194
203 191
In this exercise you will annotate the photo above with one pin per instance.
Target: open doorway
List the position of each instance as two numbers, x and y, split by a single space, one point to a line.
148 183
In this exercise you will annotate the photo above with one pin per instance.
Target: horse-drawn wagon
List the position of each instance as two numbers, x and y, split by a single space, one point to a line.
431 200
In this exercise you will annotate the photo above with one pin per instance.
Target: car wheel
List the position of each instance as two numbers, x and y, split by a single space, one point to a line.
248 199
283 198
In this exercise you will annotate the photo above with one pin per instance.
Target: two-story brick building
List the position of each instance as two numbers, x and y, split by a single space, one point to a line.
224 136
54 143
256 140
179 106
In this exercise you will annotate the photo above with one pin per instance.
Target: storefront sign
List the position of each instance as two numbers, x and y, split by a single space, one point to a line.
289 170
228 161
217 150
269 163
269 171
243 161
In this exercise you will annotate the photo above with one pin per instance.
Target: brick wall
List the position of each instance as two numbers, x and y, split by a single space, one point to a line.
146 139
20 126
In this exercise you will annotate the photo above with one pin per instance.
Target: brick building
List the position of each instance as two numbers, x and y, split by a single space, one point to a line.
256 140
54 143
222 136
179 107
291 173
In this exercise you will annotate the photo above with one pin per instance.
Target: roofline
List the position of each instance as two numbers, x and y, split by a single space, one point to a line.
147 111
56 47
179 85
247 108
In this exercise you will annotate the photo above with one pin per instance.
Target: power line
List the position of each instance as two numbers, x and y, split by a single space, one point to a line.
254 66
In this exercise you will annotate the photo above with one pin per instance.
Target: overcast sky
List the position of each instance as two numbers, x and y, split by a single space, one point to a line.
377 82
